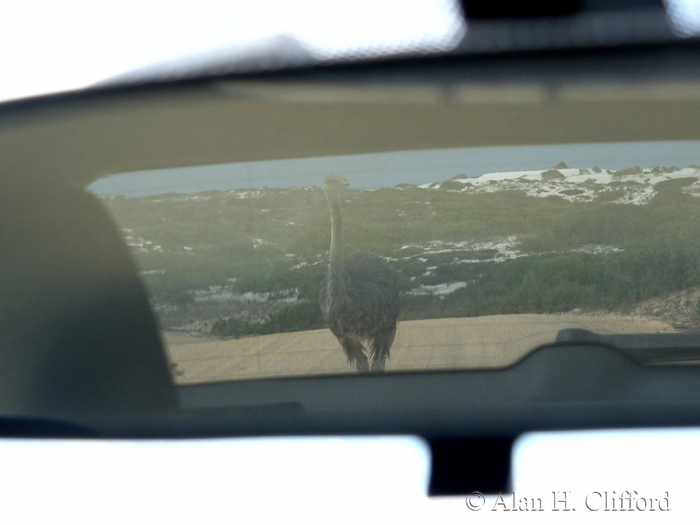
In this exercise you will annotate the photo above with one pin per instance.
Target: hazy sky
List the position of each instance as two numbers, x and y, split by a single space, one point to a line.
48 46
388 169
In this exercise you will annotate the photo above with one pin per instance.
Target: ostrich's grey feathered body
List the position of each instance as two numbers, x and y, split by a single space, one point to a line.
359 297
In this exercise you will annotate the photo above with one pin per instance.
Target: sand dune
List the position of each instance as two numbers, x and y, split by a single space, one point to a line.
476 342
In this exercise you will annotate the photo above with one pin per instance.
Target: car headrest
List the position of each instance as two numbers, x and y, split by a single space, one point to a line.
77 334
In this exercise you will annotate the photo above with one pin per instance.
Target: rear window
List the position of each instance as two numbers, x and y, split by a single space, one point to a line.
469 257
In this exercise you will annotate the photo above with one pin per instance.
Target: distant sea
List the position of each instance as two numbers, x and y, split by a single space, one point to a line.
377 170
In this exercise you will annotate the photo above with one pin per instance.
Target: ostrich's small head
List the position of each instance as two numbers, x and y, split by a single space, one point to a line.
335 183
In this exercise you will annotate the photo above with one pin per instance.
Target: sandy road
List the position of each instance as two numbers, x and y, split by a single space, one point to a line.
476 342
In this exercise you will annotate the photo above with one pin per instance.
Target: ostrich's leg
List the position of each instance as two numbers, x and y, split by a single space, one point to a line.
381 343
354 352
377 365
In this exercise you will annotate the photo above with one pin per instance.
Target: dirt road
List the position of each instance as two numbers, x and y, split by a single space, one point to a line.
476 342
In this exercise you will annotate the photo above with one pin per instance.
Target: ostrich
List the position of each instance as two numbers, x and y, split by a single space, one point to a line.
359 296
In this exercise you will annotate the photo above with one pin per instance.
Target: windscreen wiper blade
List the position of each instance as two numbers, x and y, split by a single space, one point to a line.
648 349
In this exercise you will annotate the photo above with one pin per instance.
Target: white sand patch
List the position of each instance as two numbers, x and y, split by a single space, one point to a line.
505 249
139 244
261 242
304 264
576 184
246 194
693 189
226 294
598 249
438 289
196 198
638 197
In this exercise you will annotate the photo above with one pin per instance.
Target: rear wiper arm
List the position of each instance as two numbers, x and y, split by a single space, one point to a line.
644 348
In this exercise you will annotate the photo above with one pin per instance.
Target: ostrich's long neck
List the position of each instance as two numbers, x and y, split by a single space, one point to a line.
335 277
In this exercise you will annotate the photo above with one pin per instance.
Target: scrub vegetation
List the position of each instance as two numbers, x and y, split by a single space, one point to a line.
251 261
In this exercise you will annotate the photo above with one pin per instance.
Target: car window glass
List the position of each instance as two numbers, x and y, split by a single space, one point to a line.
489 251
